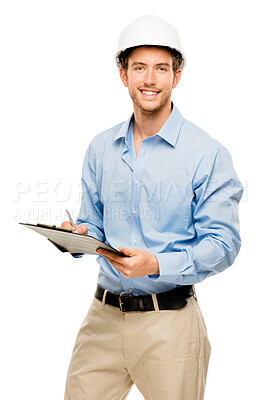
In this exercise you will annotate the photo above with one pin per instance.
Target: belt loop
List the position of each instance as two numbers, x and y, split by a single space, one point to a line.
154 298
104 298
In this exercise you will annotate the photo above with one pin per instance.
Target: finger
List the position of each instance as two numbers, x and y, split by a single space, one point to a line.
120 267
82 229
111 256
124 268
127 252
115 264
67 224
106 253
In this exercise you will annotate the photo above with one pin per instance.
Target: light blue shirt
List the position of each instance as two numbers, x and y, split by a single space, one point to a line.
177 199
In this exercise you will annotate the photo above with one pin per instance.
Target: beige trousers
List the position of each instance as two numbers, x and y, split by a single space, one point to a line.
165 353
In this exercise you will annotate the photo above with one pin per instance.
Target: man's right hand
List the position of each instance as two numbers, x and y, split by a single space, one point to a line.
80 228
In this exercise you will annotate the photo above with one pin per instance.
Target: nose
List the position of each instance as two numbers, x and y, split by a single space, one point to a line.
150 77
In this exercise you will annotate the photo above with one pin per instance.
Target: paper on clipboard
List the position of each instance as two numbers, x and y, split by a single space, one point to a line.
72 242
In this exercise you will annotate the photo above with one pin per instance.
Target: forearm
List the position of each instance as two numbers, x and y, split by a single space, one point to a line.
193 264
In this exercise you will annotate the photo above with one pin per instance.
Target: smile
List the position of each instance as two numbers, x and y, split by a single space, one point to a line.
149 93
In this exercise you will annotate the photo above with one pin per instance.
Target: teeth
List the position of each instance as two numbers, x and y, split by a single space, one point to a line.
149 93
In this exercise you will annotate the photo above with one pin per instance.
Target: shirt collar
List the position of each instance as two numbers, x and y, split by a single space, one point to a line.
169 131
123 131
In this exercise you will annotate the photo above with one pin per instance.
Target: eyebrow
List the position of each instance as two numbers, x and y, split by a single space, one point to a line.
141 63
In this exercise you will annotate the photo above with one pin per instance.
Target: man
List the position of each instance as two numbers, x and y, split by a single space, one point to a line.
166 195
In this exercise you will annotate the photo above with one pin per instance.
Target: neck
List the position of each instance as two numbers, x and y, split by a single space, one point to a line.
149 123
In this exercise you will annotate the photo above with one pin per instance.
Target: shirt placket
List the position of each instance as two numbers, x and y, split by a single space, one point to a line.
137 181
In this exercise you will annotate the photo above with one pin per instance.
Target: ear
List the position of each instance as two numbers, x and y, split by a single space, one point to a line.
123 76
176 78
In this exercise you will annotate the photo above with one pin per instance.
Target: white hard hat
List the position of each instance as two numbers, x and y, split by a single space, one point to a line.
152 31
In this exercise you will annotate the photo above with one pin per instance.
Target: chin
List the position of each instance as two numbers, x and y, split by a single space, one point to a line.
149 110
149 107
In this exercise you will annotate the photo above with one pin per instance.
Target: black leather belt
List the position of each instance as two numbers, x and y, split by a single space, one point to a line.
168 300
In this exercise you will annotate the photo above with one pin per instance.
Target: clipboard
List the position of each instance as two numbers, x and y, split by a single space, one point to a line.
66 240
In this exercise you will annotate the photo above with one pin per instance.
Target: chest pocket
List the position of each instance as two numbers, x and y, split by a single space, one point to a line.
167 204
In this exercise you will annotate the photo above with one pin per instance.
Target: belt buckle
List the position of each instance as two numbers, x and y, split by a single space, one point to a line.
121 303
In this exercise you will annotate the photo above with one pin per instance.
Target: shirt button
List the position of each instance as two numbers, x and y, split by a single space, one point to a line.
130 290
135 241
137 181
134 212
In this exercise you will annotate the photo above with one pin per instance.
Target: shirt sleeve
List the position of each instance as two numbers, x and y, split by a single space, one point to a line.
217 193
91 209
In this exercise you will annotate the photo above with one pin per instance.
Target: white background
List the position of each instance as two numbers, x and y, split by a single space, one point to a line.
59 88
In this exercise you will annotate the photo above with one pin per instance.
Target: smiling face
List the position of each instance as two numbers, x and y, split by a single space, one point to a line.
150 78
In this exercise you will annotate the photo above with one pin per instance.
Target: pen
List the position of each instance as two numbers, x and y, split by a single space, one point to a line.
71 220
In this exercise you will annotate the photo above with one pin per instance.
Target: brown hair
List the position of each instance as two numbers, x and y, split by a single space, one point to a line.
177 58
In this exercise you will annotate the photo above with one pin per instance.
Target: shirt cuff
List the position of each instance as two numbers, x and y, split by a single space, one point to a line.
170 266
77 255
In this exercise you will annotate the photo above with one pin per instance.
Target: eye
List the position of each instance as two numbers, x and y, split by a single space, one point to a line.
139 68
162 69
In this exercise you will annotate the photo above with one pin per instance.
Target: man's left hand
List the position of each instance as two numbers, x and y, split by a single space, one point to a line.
138 263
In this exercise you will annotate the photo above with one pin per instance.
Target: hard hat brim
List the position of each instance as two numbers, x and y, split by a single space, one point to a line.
182 64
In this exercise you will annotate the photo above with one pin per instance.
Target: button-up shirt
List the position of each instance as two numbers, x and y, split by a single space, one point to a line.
177 198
